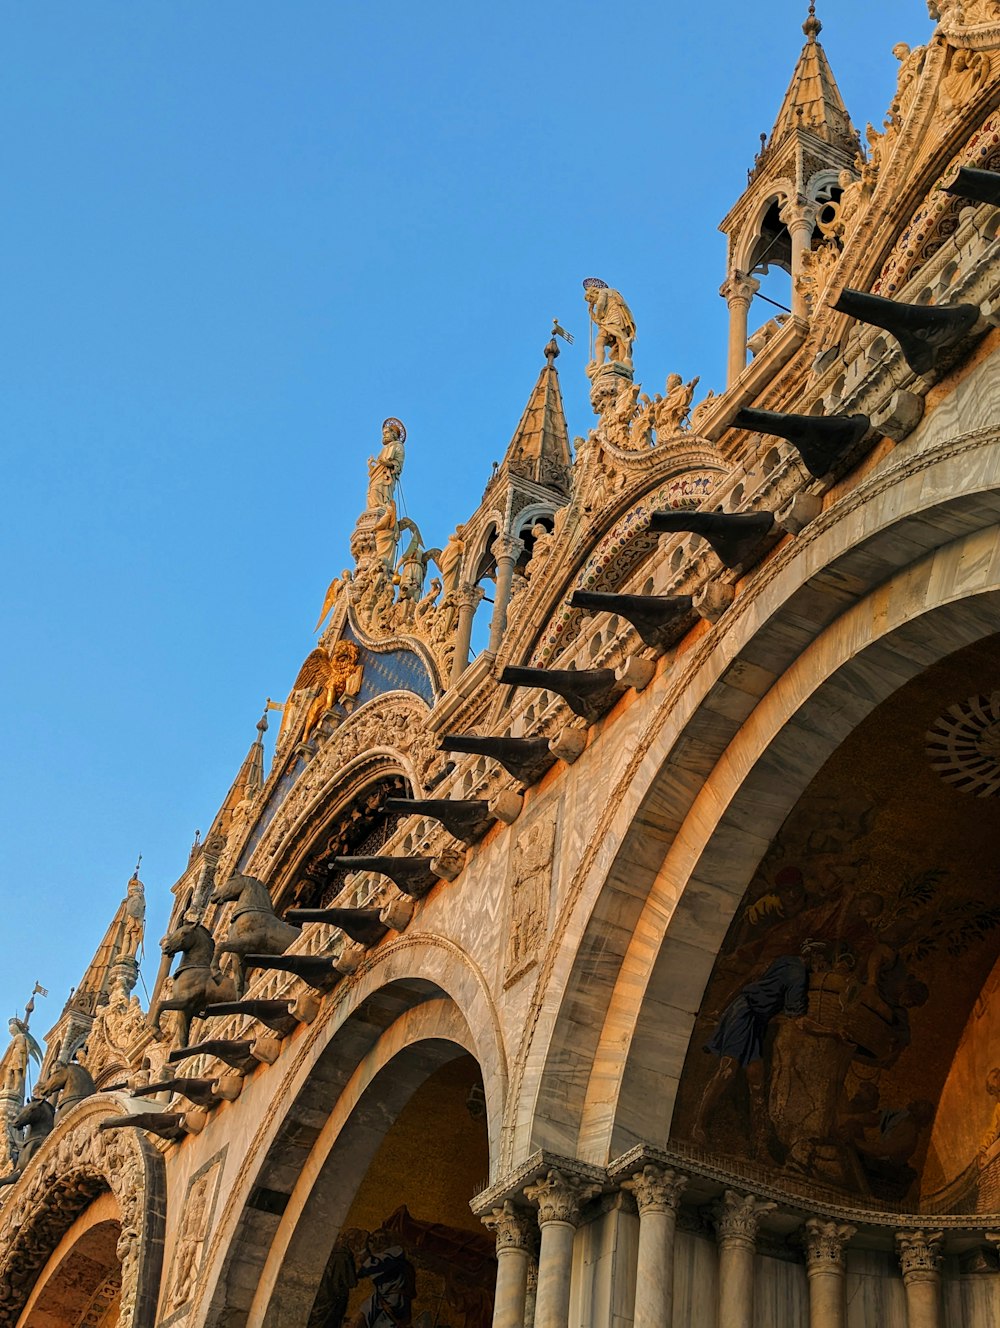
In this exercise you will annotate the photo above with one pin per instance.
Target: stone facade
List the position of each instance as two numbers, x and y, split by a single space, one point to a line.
663 931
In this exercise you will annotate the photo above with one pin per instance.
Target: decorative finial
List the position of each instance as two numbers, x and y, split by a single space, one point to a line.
138 864
812 27
262 722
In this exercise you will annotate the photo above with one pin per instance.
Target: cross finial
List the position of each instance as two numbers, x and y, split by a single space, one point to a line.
812 27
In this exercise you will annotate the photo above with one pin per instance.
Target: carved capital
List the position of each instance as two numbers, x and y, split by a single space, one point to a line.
468 596
559 1198
824 1244
514 1229
656 1189
798 214
737 1218
919 1254
739 288
506 546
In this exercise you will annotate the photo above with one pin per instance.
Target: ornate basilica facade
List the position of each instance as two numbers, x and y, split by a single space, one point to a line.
643 969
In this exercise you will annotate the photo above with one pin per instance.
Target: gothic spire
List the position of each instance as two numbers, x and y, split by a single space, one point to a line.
539 449
813 101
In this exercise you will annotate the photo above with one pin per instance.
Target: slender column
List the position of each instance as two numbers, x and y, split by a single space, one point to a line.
824 1242
736 1222
800 218
515 1232
506 550
657 1195
920 1260
532 1294
559 1199
468 598
738 292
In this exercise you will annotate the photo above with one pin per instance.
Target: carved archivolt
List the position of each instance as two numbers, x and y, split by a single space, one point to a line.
75 1165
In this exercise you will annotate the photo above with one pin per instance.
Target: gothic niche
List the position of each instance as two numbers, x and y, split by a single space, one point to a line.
361 828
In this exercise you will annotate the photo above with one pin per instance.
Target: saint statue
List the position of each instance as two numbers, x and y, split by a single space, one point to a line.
135 918
450 561
613 320
385 469
14 1066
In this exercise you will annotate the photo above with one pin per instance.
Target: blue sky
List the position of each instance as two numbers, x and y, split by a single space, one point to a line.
235 238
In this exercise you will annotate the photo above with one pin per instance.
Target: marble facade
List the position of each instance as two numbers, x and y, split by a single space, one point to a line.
497 1047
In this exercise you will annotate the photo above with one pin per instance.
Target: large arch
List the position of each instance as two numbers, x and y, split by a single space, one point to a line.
77 1165
913 504
379 1015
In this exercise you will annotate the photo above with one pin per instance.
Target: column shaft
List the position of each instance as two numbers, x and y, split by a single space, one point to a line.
468 600
507 552
824 1243
737 1219
920 1260
512 1287
555 1266
657 1195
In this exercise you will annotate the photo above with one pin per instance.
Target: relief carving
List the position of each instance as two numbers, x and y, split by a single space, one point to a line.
529 885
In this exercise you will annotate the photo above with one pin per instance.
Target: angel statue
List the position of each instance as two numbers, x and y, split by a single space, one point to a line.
14 1066
673 409
325 678
385 469
613 320
412 567
338 584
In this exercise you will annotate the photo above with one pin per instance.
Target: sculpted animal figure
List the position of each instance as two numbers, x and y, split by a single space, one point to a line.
197 982
326 677
253 927
36 1118
71 1081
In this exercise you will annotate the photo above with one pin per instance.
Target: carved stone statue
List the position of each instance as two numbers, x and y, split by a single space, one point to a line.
338 584
614 322
135 919
385 469
911 63
967 75
450 561
14 1066
672 410
329 677
386 535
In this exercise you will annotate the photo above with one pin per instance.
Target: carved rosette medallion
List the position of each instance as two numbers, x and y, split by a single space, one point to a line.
920 1255
737 1218
656 1189
824 1244
514 1229
559 1198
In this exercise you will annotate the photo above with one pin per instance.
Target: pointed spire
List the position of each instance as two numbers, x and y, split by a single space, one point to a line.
539 449
813 99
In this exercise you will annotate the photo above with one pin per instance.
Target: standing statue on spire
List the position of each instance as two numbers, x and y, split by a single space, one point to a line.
614 322
135 918
14 1066
385 469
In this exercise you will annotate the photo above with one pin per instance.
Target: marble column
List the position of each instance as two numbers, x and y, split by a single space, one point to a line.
737 1218
559 1199
738 292
468 598
531 1294
824 1244
515 1235
800 218
506 551
657 1194
920 1259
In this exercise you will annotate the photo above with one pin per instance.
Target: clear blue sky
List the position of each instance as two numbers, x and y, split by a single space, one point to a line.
235 237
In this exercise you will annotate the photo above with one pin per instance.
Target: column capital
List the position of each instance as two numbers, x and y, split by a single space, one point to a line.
513 1227
919 1254
507 546
737 1218
656 1189
559 1197
739 287
798 213
467 596
824 1244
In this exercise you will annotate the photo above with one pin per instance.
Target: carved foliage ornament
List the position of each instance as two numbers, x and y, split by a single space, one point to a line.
824 1243
559 1197
513 1228
656 1190
737 1217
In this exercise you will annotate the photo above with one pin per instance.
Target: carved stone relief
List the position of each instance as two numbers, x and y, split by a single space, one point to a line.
529 886
190 1242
